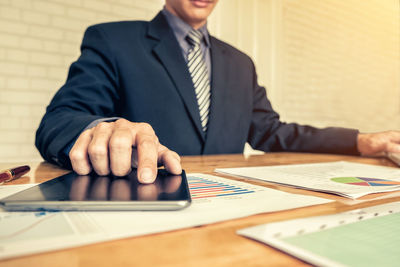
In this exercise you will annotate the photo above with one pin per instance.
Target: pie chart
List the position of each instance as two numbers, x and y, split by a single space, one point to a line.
363 181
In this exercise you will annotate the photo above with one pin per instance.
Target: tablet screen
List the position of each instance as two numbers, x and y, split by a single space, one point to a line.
74 187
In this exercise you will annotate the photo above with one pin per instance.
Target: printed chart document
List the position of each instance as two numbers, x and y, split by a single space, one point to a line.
366 237
346 179
215 199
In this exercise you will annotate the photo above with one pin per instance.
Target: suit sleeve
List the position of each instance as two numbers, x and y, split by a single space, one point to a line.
268 133
90 93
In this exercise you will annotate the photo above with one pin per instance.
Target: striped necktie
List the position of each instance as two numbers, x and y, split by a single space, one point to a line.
199 73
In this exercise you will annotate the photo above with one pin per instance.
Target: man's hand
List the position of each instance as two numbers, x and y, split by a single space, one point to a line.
109 147
375 144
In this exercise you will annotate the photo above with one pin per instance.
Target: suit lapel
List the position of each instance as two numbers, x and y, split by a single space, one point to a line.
220 75
168 51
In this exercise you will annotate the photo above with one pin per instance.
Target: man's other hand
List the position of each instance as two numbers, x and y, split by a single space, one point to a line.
377 144
111 147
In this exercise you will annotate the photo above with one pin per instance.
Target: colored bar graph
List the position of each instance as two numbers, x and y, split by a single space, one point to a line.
204 188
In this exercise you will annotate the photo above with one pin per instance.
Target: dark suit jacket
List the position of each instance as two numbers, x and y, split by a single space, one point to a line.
136 70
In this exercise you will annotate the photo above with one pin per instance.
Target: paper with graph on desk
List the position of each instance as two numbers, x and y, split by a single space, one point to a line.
364 237
215 199
342 178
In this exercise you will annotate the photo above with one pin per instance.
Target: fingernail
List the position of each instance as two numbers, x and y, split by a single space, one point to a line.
146 175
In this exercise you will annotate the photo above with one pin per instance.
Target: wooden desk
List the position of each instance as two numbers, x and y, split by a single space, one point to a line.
211 245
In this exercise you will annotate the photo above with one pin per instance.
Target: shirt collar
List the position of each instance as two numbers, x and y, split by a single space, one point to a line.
181 28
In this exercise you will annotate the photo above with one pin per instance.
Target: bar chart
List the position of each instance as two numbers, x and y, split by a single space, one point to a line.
205 188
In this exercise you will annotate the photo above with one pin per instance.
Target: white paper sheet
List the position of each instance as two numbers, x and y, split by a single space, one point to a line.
332 177
7 190
31 232
395 157
363 237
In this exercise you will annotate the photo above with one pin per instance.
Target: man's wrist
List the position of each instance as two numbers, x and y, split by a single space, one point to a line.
362 140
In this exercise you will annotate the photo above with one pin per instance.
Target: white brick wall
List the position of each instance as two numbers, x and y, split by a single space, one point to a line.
38 41
340 63
40 38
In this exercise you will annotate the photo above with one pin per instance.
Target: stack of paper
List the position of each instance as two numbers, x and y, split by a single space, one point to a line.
347 179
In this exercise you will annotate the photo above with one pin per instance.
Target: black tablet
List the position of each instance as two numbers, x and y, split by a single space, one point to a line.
73 192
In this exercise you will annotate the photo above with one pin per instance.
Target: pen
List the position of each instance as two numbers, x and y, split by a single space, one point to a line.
14 173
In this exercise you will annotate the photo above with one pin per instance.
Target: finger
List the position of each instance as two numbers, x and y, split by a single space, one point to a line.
78 154
170 160
147 148
121 151
98 148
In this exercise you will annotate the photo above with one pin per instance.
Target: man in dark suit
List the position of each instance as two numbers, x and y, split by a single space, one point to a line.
142 90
